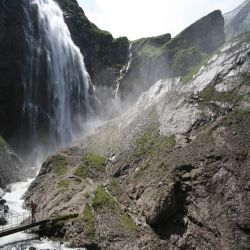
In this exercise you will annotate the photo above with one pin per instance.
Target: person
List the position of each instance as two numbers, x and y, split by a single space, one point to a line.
6 209
33 211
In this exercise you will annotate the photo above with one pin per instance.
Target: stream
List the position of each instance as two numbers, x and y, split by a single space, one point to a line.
21 240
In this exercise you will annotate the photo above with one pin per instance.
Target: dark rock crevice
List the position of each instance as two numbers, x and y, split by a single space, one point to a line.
170 213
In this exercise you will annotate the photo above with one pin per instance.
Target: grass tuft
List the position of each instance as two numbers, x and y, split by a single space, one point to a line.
89 221
59 164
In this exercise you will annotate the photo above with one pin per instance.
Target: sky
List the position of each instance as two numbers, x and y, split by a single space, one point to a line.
145 18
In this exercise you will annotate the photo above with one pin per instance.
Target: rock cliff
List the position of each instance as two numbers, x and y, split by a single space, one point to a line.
104 58
237 21
170 173
11 61
12 168
181 56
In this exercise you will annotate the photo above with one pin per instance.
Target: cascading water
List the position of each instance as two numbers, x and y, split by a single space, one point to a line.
58 95
58 99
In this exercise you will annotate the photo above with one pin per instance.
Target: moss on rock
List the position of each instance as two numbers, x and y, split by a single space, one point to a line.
209 93
151 140
94 160
2 143
64 184
92 165
104 203
59 164
82 171
89 222
102 200
113 185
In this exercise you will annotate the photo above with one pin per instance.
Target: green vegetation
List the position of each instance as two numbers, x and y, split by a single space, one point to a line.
92 164
239 117
153 46
120 41
89 221
94 160
148 50
182 58
65 217
187 62
56 224
210 94
2 142
126 220
82 171
193 70
59 163
102 200
101 43
64 184
151 140
113 185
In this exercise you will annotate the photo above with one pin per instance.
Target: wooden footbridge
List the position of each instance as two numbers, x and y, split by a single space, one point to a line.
21 222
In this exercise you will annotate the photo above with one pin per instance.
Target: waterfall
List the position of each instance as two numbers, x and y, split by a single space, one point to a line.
58 94
124 71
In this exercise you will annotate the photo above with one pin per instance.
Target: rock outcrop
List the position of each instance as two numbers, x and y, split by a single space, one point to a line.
180 56
12 168
11 61
237 21
170 173
104 58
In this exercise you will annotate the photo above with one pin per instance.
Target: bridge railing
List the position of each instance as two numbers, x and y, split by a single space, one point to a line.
22 219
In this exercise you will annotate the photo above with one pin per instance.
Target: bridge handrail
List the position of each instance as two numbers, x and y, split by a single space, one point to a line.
15 215
21 219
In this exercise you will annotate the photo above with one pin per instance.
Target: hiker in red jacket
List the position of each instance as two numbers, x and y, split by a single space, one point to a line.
33 211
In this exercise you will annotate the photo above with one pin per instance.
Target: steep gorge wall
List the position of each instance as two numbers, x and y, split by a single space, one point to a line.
170 173
11 60
161 57
104 57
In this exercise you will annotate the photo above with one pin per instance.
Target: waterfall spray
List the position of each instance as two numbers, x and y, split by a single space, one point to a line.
58 95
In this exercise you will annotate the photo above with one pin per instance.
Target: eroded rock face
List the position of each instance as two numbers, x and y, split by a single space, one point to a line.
176 57
145 181
207 34
104 58
11 61
237 21
12 168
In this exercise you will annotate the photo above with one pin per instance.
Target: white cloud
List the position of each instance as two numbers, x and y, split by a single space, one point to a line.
143 18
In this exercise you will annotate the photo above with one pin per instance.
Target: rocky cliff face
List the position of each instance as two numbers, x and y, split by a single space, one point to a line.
237 21
104 58
104 55
12 168
11 61
170 173
181 56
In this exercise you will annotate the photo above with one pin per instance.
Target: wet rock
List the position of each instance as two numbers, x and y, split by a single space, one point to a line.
161 192
12 167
